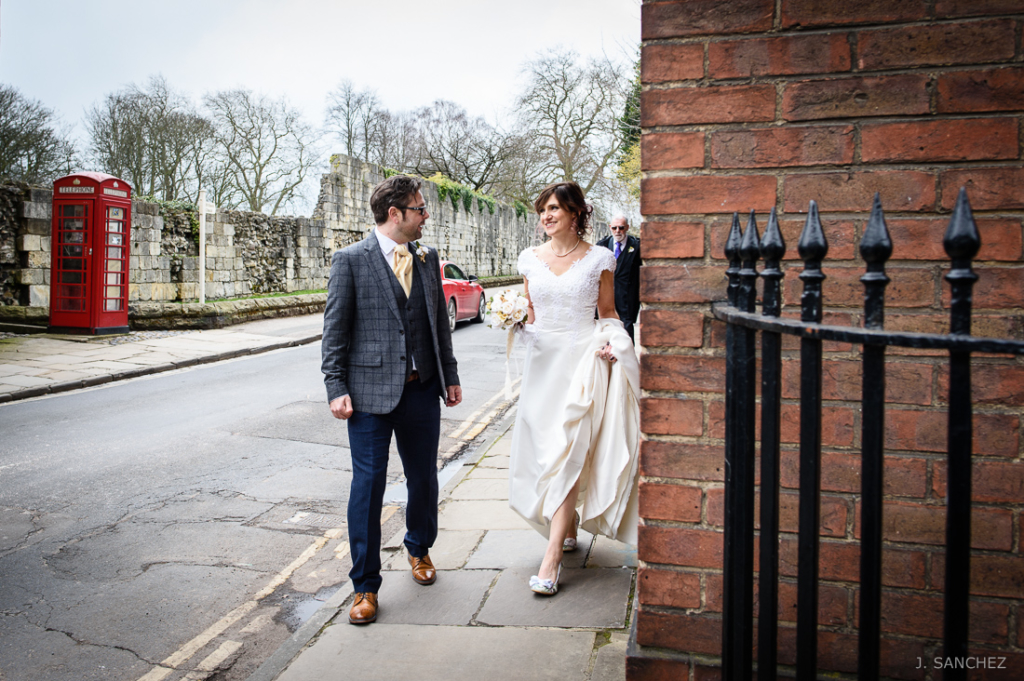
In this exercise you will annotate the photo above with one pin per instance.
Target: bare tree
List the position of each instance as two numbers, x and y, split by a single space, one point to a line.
153 137
465 149
33 146
350 116
266 148
393 141
573 111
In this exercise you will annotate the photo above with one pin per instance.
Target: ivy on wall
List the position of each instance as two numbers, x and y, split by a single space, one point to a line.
171 209
461 194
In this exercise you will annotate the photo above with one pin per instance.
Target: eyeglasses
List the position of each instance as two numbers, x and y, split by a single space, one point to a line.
618 227
419 209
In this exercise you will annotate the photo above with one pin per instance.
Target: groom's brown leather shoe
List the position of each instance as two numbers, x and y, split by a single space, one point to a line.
364 609
422 570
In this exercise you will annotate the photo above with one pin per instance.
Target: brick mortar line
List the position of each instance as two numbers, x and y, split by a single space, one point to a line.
826 29
67 386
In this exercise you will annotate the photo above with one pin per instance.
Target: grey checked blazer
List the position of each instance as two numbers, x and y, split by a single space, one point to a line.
363 335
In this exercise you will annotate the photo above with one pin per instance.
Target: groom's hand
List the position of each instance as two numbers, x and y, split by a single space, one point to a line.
341 407
454 395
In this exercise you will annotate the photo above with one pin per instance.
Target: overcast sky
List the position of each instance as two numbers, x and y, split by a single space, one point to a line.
70 53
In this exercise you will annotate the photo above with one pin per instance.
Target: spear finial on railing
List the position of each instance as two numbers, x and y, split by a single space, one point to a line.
813 247
749 251
876 249
773 248
962 243
732 253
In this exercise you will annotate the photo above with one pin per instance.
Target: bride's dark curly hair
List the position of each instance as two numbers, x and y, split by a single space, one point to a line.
570 197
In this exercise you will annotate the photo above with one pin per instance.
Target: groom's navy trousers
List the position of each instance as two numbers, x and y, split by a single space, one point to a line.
416 424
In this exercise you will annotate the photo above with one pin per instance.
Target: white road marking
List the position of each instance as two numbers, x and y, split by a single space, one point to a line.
458 433
210 662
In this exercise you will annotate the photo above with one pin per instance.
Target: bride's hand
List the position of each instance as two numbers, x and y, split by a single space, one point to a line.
606 353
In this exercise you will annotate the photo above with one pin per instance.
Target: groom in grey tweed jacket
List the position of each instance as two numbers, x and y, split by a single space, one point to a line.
387 363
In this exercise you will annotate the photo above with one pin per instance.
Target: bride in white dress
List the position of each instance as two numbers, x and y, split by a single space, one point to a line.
577 431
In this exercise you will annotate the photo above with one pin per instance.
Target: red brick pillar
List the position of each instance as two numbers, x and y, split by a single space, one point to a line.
754 104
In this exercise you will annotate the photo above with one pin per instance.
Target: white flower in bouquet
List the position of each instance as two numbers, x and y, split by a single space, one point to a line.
506 309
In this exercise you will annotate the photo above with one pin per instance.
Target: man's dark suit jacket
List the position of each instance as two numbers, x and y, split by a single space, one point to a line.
364 344
627 279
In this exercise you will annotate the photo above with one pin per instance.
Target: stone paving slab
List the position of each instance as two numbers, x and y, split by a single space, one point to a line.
449 552
482 488
22 381
452 600
492 473
472 515
610 553
494 462
443 654
24 369
611 660
587 598
502 549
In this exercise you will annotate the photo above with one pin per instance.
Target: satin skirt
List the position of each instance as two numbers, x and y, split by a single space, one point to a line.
578 418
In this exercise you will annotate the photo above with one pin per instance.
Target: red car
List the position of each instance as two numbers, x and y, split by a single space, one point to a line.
464 296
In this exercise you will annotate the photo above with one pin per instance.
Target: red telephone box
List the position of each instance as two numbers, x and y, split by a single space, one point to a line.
89 260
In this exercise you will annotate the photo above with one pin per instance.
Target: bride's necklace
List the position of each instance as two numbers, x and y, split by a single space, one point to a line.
562 255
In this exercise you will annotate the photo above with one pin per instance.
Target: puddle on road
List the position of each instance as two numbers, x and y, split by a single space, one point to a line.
396 493
297 607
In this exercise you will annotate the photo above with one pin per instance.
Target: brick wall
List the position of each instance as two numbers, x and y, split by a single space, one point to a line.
754 104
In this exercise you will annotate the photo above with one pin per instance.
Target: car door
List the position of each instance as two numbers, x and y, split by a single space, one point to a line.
466 306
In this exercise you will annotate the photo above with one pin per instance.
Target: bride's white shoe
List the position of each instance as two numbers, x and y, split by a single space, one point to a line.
546 587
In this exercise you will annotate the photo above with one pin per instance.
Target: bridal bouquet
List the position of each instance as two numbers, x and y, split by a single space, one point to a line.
506 309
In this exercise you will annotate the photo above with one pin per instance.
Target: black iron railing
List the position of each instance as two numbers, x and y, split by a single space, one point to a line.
743 249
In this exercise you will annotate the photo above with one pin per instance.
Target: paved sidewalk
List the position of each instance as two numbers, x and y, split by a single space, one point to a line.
479 620
33 365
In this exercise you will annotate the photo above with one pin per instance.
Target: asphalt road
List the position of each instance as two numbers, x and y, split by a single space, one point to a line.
183 525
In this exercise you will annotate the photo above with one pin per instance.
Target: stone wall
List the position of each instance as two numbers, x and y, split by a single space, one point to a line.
251 253
482 243
768 104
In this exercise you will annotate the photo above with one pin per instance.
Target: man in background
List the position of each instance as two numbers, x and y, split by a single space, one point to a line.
627 271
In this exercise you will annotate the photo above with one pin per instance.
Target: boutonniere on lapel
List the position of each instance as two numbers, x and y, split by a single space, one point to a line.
630 250
421 251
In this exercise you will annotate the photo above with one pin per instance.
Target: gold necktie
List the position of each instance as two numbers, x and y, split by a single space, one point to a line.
402 267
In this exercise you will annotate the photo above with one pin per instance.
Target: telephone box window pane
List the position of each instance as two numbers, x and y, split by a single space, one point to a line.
69 291
113 265
74 251
72 211
116 239
74 237
72 277
112 305
115 227
115 213
113 292
72 264
71 305
74 224
113 252
115 279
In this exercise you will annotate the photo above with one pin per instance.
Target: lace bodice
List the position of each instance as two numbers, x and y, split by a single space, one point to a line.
565 302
